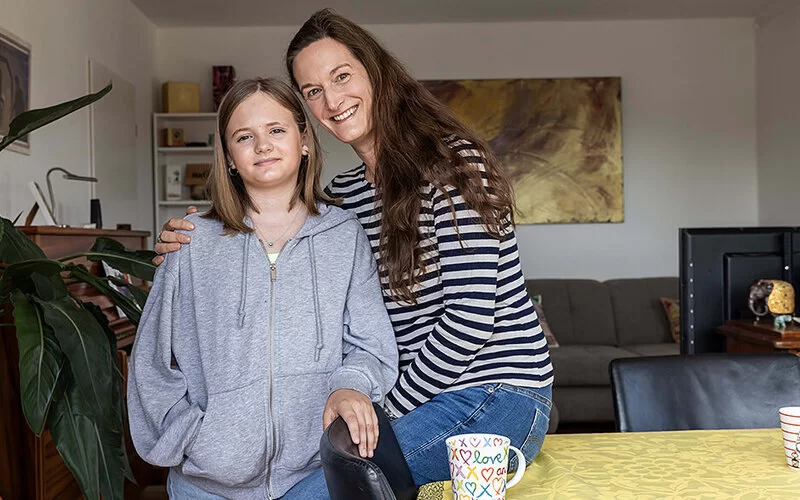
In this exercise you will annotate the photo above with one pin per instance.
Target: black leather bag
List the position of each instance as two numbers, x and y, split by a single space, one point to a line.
349 477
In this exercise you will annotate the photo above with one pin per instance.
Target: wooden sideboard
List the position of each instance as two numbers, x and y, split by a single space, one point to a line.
30 467
760 336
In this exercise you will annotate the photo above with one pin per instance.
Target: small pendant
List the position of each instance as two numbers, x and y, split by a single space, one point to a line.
270 243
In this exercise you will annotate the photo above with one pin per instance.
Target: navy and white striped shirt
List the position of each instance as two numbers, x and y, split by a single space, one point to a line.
473 322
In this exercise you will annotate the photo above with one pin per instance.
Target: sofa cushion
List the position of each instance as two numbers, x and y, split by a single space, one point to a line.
662 349
672 308
638 314
578 311
585 365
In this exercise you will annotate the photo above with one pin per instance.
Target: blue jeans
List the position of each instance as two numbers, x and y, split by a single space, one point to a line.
519 413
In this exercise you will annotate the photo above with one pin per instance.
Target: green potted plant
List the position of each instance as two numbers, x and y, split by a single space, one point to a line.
70 383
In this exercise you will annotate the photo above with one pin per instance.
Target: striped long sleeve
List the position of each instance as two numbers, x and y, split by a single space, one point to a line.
473 322
468 265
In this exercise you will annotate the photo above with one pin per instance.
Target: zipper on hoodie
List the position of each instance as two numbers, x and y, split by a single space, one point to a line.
273 275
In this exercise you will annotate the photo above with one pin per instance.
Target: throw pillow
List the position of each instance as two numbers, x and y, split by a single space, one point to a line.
537 305
673 309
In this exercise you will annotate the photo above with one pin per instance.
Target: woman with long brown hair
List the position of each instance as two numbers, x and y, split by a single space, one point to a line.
438 211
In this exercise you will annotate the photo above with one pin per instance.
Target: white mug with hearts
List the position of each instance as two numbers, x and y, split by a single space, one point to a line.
478 466
790 425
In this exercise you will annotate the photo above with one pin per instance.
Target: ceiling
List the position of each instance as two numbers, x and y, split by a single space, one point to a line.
173 13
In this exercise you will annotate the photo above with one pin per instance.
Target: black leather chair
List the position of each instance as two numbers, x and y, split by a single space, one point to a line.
349 477
706 391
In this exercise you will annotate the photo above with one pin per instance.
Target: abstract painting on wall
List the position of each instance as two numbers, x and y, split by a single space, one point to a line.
559 139
15 81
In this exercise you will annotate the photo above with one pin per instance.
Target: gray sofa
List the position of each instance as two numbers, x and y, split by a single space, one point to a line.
594 323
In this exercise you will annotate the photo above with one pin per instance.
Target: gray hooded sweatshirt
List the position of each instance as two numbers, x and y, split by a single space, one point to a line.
234 358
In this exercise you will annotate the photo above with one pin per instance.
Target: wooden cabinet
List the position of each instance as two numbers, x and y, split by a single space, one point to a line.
751 336
30 466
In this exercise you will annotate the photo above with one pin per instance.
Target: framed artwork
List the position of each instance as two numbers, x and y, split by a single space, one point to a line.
559 139
15 85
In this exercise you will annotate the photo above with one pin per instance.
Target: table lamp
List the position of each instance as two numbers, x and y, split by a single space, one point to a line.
67 175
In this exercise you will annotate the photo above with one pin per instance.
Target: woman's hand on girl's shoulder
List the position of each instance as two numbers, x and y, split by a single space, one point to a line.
170 241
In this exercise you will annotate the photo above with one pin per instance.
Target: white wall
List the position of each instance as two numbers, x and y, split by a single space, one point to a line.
778 76
64 35
689 132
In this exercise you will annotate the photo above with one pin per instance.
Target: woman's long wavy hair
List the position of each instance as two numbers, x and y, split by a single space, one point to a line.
411 133
230 200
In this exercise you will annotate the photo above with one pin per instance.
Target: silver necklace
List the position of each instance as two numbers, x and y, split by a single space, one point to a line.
288 226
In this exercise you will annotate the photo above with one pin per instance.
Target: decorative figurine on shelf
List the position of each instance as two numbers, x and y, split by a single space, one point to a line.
772 296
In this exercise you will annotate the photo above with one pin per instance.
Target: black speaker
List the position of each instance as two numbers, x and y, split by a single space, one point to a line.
96 215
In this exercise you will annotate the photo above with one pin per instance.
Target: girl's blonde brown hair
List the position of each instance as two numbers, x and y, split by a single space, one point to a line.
229 198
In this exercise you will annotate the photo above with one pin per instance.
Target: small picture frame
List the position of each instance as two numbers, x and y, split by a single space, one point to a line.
173 182
15 86
114 273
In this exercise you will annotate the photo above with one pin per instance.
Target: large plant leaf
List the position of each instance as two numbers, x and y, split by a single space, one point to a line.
46 267
29 121
127 304
136 262
94 454
32 274
112 463
111 338
91 360
15 246
40 361
40 277
49 287
75 436
117 399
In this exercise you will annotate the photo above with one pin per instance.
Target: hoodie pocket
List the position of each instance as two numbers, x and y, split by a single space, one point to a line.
300 421
230 447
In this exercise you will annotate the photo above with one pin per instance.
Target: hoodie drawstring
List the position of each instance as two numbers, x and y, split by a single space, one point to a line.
318 320
245 256
316 298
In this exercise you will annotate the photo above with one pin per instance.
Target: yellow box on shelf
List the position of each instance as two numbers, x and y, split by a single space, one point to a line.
180 97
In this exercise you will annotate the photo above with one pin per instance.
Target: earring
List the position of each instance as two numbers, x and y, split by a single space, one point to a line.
232 172
305 150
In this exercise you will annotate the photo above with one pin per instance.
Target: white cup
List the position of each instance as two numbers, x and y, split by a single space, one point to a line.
478 466
790 425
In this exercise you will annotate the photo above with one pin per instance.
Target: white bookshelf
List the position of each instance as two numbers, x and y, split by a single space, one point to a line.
196 128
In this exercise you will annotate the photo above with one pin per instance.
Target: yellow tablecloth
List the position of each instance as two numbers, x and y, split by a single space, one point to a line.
746 464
